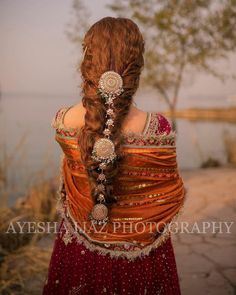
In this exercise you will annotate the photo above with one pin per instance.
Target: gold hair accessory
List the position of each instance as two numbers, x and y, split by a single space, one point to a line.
110 86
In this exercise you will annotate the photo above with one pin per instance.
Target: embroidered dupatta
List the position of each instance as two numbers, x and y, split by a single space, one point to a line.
149 195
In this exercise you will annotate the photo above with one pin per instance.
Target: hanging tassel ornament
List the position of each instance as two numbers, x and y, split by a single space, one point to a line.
110 86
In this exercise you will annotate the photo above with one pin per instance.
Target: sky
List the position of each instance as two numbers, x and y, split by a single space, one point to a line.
35 54
37 57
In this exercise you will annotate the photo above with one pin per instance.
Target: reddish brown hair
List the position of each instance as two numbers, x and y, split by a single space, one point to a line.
112 44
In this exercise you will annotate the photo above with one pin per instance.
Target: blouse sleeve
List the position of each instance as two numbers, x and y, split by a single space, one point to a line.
164 125
57 118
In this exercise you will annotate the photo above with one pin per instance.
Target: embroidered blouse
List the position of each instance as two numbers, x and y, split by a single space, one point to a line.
157 130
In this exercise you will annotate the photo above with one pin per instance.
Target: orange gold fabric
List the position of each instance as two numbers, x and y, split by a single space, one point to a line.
148 189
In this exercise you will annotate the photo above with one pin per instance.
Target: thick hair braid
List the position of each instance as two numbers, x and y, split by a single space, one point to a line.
114 44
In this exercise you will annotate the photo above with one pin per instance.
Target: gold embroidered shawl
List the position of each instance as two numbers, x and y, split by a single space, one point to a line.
148 189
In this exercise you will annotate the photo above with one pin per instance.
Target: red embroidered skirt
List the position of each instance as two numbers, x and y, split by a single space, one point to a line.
74 269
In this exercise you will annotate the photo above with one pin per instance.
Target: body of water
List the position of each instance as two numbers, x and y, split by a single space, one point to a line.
30 150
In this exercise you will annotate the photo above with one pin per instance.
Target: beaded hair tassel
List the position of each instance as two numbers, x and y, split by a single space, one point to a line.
110 86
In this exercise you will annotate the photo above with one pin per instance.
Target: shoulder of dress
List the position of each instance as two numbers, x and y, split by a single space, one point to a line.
58 117
164 125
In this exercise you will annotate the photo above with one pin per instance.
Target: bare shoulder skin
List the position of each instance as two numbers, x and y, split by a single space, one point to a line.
135 120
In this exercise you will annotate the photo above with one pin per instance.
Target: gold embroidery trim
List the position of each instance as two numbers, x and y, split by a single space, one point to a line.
127 218
141 196
148 168
142 185
140 202
68 146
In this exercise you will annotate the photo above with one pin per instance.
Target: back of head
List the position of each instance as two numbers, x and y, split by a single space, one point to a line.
111 44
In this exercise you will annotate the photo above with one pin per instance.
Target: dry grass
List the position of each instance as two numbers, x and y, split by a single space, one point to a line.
23 264
40 200
23 272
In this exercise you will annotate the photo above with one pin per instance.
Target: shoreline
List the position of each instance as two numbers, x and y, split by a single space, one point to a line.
209 114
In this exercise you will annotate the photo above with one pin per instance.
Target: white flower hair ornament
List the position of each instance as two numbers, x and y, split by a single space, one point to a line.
110 86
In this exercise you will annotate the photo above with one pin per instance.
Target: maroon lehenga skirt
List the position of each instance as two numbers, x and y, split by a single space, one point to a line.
74 269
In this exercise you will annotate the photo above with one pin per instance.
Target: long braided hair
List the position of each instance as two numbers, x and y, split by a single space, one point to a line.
111 44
